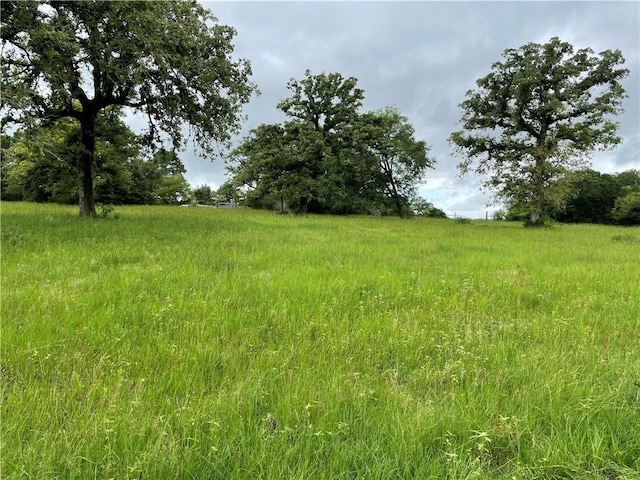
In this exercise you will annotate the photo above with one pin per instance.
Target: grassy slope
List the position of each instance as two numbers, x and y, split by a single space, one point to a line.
201 343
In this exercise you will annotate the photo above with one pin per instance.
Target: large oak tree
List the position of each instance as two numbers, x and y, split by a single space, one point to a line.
328 156
322 109
540 112
168 61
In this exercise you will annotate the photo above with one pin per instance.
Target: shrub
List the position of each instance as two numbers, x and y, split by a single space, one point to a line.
543 222
499 215
626 210
107 212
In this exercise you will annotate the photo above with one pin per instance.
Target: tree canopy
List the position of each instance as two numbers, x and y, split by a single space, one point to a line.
330 157
399 160
592 197
168 61
538 113
39 164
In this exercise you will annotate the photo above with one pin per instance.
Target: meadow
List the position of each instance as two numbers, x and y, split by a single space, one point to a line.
196 343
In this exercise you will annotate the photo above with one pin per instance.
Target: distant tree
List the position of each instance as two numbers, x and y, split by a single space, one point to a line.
423 208
322 109
36 164
626 210
328 156
539 113
400 160
39 165
270 163
40 162
629 180
590 199
517 211
204 195
165 176
499 215
6 141
172 189
592 195
228 192
300 162
327 102
169 61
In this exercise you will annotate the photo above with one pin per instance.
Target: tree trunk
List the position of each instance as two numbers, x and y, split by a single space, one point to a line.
387 168
536 202
399 208
534 218
396 197
538 181
85 166
302 207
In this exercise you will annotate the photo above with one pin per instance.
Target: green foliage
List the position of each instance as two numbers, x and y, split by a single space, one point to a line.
626 210
228 192
538 114
172 189
499 215
399 161
592 195
423 208
165 175
106 211
203 195
168 61
273 163
591 198
322 109
328 157
204 343
39 164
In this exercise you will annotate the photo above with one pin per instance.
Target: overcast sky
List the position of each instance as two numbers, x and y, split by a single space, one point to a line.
420 57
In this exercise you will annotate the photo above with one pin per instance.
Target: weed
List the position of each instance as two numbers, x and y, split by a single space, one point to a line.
106 211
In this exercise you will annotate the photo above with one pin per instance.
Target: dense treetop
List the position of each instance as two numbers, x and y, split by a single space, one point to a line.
329 156
540 112
70 68
169 61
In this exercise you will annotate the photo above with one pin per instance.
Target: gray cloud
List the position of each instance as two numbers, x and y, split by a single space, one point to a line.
421 57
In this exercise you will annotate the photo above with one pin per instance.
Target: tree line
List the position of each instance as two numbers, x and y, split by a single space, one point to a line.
590 197
39 164
169 62
68 69
329 157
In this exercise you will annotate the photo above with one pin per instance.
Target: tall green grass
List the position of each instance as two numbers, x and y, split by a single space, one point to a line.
203 343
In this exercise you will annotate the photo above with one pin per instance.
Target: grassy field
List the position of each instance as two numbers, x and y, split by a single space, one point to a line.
232 344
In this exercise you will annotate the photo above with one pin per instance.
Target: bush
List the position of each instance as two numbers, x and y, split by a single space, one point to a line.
499 215
543 222
420 207
626 210
107 212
